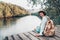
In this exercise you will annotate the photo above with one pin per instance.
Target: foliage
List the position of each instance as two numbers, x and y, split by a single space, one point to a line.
10 10
53 10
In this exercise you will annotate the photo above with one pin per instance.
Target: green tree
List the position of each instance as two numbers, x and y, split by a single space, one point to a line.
36 2
53 10
53 4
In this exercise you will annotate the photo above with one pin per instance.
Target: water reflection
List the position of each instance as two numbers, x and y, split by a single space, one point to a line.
6 22
11 26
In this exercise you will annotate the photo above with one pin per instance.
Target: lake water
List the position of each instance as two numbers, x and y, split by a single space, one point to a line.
11 26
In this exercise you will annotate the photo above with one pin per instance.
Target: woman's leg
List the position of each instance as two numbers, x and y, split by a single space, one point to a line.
38 29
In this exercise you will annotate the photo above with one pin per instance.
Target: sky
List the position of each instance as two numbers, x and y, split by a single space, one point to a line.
24 4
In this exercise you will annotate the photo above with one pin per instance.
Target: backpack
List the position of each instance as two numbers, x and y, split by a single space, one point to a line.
49 28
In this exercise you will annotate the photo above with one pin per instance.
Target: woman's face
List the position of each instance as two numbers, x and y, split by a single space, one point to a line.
41 14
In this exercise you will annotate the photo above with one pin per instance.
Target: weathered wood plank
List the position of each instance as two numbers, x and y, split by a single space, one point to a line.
16 37
57 28
12 37
31 36
19 37
40 38
57 33
57 38
51 38
23 36
8 38
27 36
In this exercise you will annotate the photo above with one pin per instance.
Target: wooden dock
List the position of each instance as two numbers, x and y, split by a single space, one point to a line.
30 36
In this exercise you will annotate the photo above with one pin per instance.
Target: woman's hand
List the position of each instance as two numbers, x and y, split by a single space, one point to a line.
37 35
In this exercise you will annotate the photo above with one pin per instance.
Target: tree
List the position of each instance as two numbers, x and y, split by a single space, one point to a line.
36 2
54 4
53 10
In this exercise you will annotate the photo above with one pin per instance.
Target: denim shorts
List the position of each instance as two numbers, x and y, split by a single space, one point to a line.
38 29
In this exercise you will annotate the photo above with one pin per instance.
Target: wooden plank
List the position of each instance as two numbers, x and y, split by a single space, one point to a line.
31 36
6 38
23 36
12 37
57 29
57 33
57 38
51 38
40 38
27 36
19 37
16 37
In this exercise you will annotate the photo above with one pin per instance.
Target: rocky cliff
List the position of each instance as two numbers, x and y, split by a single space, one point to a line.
10 10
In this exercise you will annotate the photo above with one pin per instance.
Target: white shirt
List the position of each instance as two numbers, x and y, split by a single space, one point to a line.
42 25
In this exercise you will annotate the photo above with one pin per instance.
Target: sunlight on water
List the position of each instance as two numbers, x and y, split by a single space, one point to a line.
23 24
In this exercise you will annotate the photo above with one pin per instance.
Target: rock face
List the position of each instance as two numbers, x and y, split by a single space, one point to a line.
10 10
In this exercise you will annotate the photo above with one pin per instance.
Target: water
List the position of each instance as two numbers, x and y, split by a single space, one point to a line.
13 26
